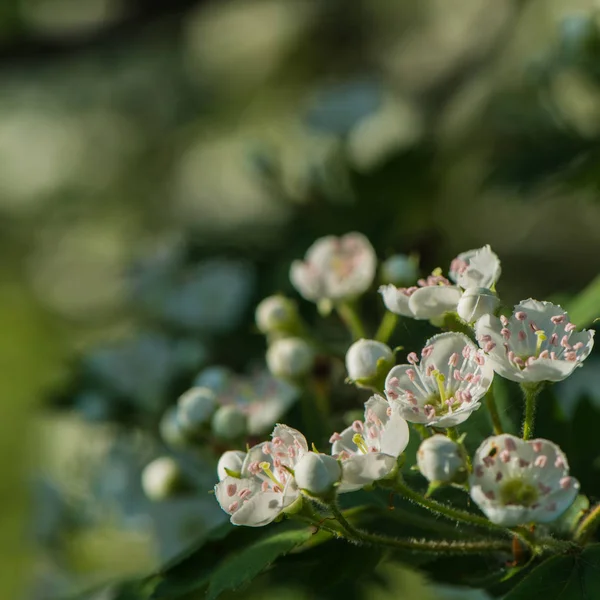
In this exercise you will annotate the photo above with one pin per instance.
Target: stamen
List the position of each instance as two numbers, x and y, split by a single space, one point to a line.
453 360
231 489
541 338
359 441
266 467
233 507
557 319
412 358
440 382
521 315
358 426
570 327
336 437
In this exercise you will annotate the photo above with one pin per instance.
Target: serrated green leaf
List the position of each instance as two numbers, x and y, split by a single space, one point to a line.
243 566
585 307
570 577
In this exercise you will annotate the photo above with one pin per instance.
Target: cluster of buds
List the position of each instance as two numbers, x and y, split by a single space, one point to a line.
513 481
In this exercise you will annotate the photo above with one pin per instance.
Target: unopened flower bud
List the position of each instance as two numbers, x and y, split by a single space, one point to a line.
231 461
195 409
276 314
368 361
439 459
317 474
476 302
399 269
170 429
161 478
229 422
216 378
290 358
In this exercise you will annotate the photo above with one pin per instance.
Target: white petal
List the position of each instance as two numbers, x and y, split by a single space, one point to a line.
378 405
433 301
545 369
395 435
395 300
508 516
261 509
363 469
345 444
305 280
483 270
444 346
455 418
290 436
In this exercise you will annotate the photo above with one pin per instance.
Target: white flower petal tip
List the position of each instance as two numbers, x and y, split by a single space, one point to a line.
368 361
439 460
266 486
537 343
431 299
475 303
516 482
230 462
476 268
335 269
442 387
368 450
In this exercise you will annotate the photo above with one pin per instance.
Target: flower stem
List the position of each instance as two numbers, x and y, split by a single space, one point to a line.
454 514
490 402
588 526
352 320
386 327
427 546
530 392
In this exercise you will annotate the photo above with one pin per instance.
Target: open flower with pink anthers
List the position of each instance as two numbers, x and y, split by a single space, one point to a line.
266 486
368 450
537 343
335 269
442 387
478 268
515 482
430 299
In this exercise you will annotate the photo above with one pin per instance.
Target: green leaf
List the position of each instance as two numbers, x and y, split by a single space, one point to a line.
244 565
585 307
570 577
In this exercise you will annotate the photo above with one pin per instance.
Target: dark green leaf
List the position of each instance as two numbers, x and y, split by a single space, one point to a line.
585 307
244 565
572 577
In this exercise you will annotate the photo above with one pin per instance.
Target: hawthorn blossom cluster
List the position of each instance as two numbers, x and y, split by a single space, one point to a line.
513 481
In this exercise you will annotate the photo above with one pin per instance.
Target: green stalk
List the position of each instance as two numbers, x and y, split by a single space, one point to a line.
530 392
386 327
588 526
352 320
490 402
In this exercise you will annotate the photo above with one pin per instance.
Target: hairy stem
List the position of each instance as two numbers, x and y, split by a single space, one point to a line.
588 526
530 392
427 546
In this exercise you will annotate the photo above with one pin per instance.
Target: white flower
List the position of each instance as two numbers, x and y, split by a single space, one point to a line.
476 302
476 268
432 298
447 385
232 461
229 422
335 269
276 313
161 478
515 482
369 450
317 474
537 343
266 487
366 359
439 459
217 378
195 408
290 358
399 269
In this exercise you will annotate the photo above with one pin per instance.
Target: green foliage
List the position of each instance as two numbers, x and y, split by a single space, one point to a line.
584 309
571 577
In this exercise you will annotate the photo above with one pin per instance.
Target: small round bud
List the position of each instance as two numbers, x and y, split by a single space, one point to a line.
161 478
290 358
232 460
367 361
276 314
439 459
400 270
216 378
195 408
171 430
476 302
317 473
229 422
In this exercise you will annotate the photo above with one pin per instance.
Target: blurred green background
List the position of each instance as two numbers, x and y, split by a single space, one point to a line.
141 139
